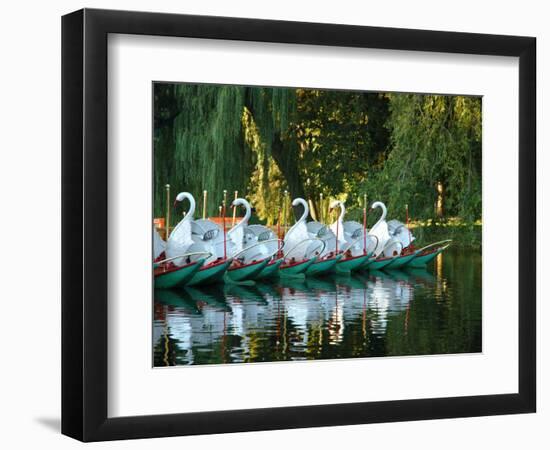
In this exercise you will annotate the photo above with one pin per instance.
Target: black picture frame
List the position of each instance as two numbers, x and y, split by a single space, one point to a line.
84 224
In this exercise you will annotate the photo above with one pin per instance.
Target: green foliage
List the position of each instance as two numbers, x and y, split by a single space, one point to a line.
398 148
203 138
339 140
435 140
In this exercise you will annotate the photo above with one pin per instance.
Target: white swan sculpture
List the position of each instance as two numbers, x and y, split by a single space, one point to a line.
298 243
401 232
254 242
159 246
186 238
350 234
387 245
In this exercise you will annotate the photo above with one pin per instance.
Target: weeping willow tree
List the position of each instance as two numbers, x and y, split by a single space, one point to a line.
421 150
212 138
434 162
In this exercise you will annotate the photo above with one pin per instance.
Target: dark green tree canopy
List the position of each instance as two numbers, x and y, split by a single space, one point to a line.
420 150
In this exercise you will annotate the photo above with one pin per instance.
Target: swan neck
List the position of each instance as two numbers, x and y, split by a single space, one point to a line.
342 212
190 214
383 216
247 214
306 211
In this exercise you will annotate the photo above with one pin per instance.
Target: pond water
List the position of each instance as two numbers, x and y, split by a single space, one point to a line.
435 310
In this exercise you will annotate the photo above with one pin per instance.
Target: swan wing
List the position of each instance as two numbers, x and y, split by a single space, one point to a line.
338 229
380 231
158 244
404 236
352 227
393 247
236 236
262 232
394 225
321 231
179 241
297 234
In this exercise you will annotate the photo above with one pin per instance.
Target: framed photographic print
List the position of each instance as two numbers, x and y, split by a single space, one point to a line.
276 225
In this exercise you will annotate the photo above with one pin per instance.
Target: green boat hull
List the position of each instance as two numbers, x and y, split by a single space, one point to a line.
248 272
351 264
322 266
400 261
423 260
379 264
210 275
270 271
367 261
179 277
296 269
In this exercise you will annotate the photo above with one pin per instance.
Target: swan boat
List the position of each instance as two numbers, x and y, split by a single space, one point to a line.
252 250
428 253
355 248
263 234
389 250
399 250
300 250
326 256
200 236
176 270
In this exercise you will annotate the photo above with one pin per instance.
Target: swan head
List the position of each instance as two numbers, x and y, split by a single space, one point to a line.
182 196
298 201
335 204
378 204
239 202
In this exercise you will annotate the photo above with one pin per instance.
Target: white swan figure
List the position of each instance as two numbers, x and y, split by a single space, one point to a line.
338 227
209 235
253 242
355 236
298 243
236 235
180 240
387 244
317 230
401 232
159 245
350 234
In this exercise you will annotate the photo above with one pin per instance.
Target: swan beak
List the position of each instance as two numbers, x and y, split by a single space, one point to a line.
175 204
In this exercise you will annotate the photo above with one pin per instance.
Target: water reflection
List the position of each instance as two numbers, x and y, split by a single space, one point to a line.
369 314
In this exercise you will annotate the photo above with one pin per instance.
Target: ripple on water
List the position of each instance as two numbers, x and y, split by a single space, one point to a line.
368 314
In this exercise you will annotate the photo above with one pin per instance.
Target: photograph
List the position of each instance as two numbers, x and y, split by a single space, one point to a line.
298 224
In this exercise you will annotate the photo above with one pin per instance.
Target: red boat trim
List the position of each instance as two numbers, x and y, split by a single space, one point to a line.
214 264
246 265
325 259
429 252
351 258
158 271
386 258
275 261
286 266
